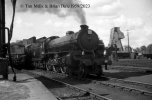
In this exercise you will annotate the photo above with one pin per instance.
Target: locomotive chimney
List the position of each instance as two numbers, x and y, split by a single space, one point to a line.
116 29
84 27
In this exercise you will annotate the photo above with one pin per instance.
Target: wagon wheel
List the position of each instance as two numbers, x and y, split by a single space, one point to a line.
99 71
69 71
50 67
63 69
57 68
82 72
54 69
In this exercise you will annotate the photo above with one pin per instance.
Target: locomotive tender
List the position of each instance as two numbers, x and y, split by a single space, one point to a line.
79 53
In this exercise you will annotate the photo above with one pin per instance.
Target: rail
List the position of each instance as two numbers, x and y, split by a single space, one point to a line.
73 87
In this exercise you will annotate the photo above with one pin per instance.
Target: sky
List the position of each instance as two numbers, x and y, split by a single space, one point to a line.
100 15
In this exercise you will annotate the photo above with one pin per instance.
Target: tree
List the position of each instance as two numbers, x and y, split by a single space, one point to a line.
126 48
143 49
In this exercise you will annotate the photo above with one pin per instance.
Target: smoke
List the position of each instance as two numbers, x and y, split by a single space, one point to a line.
28 5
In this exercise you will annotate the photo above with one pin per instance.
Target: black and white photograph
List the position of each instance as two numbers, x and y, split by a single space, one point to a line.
75 50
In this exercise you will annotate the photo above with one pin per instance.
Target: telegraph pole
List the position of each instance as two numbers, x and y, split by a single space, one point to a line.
2 22
128 41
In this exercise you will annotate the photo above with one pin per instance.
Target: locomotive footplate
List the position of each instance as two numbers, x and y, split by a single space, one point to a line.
4 67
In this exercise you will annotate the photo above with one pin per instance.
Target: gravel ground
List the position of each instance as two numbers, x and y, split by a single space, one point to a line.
144 79
133 62
126 73
112 93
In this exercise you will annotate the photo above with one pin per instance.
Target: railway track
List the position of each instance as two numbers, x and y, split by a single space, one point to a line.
69 92
131 68
126 85
111 88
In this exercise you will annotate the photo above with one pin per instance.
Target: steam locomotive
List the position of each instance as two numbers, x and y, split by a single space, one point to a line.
79 53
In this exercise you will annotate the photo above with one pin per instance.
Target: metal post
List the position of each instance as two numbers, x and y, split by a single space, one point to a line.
9 53
2 33
2 21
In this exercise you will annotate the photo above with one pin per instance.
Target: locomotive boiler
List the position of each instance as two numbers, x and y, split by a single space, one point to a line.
79 53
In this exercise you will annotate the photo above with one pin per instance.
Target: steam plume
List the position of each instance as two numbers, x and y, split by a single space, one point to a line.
61 12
